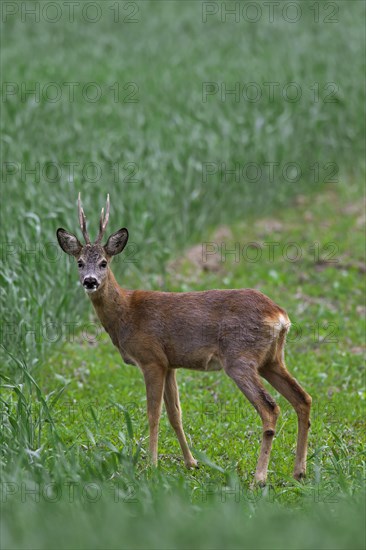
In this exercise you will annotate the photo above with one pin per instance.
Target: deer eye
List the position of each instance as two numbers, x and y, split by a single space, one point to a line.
80 264
103 264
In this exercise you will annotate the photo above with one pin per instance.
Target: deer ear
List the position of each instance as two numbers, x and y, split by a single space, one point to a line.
68 242
116 242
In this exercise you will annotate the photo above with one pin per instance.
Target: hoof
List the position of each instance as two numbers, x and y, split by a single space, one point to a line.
300 476
259 481
192 464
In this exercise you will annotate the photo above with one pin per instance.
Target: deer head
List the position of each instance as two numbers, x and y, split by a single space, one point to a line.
93 259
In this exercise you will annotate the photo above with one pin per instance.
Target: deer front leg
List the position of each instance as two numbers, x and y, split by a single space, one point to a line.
172 404
154 376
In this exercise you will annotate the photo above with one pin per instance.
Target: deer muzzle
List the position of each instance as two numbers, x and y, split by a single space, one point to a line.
90 284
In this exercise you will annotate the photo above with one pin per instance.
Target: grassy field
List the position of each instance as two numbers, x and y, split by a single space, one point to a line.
155 140
75 441
162 139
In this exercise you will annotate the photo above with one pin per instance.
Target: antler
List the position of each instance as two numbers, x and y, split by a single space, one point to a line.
103 220
82 221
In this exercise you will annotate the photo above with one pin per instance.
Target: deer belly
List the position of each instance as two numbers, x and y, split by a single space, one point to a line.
127 359
213 364
209 364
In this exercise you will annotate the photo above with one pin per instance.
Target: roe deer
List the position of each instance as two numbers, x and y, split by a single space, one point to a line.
240 331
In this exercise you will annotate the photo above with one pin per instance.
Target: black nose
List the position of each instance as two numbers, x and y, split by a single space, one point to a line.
90 282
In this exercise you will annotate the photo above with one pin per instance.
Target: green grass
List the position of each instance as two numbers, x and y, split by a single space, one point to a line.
82 436
73 423
169 135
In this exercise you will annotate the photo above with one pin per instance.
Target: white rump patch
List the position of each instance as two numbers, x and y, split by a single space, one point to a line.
284 322
278 324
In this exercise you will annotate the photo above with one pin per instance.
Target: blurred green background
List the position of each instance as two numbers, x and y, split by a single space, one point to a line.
135 99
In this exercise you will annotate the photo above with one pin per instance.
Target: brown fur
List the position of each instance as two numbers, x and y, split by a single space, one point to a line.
242 332
208 330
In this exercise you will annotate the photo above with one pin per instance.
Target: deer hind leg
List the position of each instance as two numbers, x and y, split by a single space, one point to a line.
172 404
279 377
245 374
154 376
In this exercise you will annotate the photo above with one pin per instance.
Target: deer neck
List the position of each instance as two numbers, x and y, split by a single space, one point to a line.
111 304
